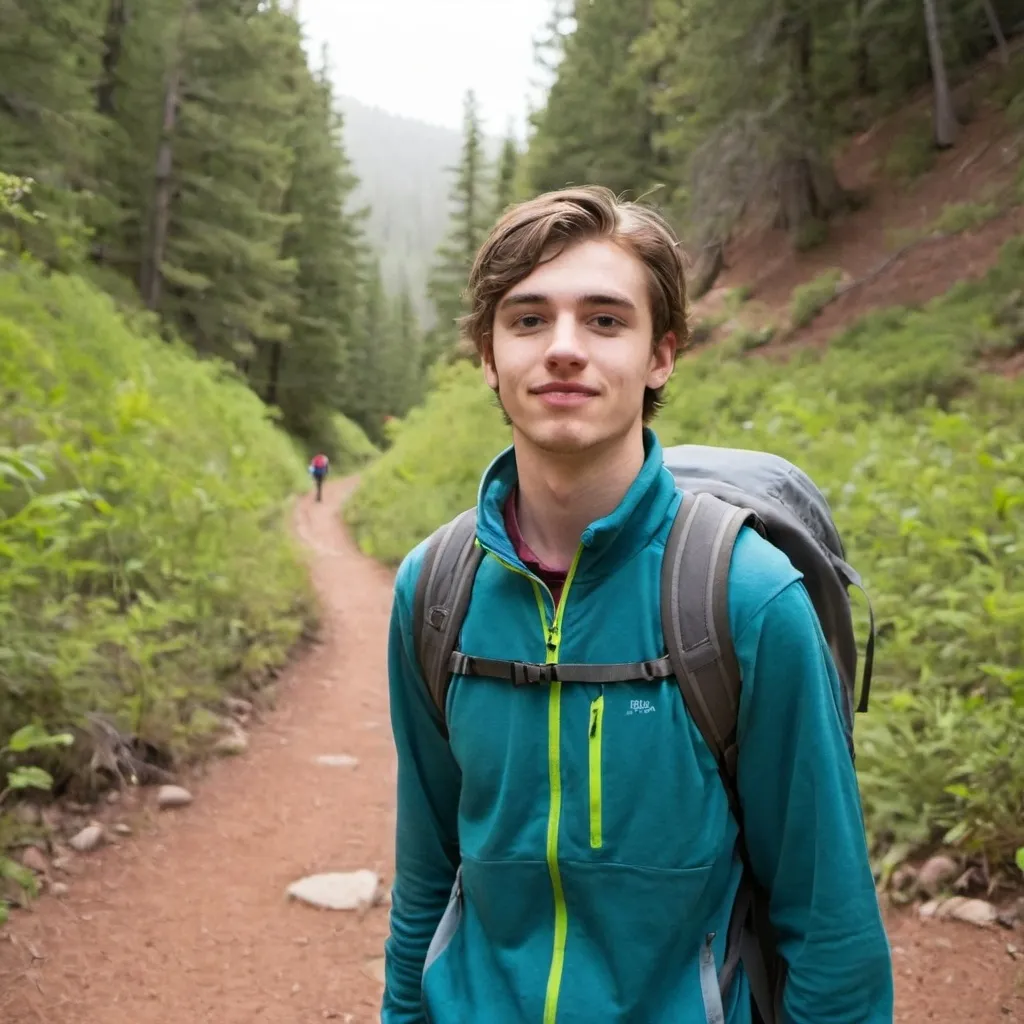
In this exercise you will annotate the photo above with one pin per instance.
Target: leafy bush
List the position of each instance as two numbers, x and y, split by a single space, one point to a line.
957 217
922 460
144 568
354 448
810 299
912 153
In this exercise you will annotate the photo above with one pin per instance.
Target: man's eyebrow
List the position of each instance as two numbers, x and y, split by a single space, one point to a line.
535 298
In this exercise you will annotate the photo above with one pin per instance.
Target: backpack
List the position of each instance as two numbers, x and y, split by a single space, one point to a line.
319 461
723 489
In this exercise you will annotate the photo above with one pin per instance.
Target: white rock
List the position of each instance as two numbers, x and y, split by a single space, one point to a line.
173 796
959 908
977 912
338 760
348 890
375 969
88 839
59 888
232 743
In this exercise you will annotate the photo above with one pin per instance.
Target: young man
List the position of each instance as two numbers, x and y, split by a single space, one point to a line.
576 837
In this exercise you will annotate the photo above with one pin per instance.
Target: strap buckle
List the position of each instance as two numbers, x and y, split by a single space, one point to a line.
524 673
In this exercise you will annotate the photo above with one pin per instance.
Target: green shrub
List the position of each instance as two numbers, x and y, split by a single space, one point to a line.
354 449
912 153
957 217
810 299
922 460
144 563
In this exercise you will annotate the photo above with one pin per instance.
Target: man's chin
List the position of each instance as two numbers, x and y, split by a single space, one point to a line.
563 438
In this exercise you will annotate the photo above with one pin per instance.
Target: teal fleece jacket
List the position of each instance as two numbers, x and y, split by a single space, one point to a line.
567 855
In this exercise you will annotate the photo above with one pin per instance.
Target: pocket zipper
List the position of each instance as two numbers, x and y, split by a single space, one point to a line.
594 744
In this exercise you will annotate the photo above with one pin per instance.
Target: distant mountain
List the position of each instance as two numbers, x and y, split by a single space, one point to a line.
402 165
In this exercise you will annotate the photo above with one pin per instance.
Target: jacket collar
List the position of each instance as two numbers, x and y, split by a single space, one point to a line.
608 542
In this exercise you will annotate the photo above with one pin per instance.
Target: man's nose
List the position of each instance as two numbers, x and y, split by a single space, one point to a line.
566 345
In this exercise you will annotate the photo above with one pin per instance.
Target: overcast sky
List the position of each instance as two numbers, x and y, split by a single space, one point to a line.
418 57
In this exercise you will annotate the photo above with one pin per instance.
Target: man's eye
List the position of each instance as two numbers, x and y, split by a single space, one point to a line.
529 320
606 322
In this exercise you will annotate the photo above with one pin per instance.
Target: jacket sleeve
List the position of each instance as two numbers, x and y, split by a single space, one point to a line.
426 835
803 819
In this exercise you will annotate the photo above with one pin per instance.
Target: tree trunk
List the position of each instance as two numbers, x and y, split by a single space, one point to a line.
861 56
806 185
997 31
117 19
946 126
709 266
161 211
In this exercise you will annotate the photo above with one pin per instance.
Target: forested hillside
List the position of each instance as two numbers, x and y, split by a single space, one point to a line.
187 159
752 125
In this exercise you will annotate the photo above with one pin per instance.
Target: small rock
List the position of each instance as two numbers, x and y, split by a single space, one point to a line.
959 908
122 829
173 796
113 796
903 878
34 860
28 814
936 873
231 743
59 888
977 912
351 890
63 860
338 760
238 707
375 969
88 839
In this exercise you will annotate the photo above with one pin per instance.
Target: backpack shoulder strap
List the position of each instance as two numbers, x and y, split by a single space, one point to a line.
695 619
443 590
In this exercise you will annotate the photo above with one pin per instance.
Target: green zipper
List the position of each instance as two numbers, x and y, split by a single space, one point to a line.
553 641
594 746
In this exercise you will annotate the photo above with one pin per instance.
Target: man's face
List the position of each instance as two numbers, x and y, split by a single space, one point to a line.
572 350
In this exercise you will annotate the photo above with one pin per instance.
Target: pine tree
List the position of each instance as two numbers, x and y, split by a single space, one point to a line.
470 220
306 374
212 255
597 125
505 180
49 129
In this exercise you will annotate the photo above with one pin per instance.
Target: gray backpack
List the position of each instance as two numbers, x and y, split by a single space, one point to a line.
723 490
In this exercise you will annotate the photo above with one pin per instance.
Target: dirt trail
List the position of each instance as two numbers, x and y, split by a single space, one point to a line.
187 921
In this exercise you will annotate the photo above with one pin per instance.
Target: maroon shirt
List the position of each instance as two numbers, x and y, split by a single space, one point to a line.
554 578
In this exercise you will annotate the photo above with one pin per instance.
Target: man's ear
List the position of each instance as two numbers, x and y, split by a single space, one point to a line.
487 363
663 361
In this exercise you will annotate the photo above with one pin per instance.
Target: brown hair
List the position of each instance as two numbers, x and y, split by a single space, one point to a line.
537 230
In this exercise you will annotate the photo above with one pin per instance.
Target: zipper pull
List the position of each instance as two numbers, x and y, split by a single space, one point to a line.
553 638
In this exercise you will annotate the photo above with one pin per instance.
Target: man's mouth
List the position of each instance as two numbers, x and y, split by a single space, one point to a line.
563 393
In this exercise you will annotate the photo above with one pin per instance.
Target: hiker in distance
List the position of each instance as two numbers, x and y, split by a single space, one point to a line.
625 786
318 467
